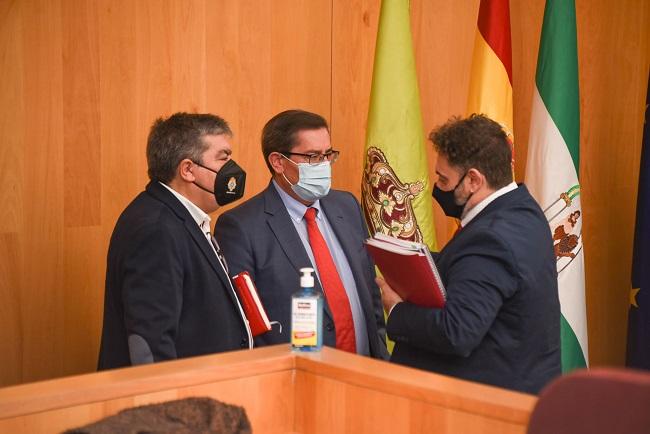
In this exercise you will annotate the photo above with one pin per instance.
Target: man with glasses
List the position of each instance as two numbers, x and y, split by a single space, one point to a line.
298 221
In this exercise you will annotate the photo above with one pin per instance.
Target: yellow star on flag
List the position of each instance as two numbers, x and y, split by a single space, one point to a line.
633 293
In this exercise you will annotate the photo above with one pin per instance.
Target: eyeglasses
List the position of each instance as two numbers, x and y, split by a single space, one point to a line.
314 159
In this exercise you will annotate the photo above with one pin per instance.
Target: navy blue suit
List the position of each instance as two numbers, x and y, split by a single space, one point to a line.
501 323
259 237
165 288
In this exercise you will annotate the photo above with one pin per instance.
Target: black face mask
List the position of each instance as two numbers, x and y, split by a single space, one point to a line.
228 184
447 200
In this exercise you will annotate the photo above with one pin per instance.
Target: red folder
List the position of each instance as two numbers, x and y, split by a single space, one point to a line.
253 308
408 268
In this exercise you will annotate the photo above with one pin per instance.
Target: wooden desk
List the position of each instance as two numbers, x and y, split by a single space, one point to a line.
283 392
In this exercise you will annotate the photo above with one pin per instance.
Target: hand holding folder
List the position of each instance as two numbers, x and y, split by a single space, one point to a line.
409 270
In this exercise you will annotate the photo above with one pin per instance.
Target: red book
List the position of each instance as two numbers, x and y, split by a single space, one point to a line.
409 269
253 308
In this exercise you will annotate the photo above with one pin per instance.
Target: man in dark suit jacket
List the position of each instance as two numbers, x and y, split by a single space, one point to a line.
168 294
501 321
268 236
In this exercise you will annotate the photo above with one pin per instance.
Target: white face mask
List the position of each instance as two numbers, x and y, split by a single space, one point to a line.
314 182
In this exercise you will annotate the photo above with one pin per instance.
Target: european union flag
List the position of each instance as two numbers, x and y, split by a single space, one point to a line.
638 331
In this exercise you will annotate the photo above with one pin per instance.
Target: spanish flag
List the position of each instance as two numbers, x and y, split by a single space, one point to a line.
396 191
490 89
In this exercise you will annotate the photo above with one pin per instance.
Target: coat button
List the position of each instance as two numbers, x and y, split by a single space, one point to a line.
244 343
329 327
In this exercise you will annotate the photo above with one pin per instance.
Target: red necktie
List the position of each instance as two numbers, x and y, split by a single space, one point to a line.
457 230
337 298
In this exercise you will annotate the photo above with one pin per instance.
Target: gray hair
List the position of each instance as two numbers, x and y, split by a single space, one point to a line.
178 137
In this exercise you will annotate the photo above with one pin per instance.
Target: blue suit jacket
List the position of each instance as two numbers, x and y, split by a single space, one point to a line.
165 285
259 237
501 323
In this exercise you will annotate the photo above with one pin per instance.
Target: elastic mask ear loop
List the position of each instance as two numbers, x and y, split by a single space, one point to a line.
196 183
285 178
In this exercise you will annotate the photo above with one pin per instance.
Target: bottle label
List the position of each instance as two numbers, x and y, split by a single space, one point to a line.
304 324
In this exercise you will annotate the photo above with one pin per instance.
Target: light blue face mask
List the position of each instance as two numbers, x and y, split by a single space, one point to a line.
314 182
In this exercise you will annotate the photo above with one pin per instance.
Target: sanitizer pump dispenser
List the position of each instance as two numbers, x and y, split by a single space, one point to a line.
306 315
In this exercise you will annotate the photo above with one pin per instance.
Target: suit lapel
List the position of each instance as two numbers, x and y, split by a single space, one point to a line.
203 244
162 194
285 233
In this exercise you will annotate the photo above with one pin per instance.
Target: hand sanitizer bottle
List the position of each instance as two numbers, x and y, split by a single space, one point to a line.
306 315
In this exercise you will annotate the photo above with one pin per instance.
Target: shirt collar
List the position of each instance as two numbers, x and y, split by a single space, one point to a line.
200 217
296 209
469 216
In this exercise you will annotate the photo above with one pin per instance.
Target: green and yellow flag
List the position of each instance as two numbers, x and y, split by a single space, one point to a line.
396 191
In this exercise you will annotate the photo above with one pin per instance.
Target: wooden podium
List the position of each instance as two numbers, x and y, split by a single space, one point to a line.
282 392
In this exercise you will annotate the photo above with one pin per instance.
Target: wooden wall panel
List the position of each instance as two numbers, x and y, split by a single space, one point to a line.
265 57
81 138
13 336
153 79
187 29
443 34
122 151
82 81
353 42
240 86
11 117
41 266
526 25
83 254
614 55
11 191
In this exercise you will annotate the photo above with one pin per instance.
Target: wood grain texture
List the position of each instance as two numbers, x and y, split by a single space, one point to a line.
614 60
81 116
12 112
265 416
353 45
41 265
11 318
414 384
188 44
266 57
82 301
443 34
281 391
119 383
11 191
329 405
82 81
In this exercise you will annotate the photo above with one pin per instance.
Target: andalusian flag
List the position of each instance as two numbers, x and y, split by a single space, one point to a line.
396 192
553 168
490 89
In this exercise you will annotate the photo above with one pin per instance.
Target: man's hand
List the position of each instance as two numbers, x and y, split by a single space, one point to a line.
389 298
